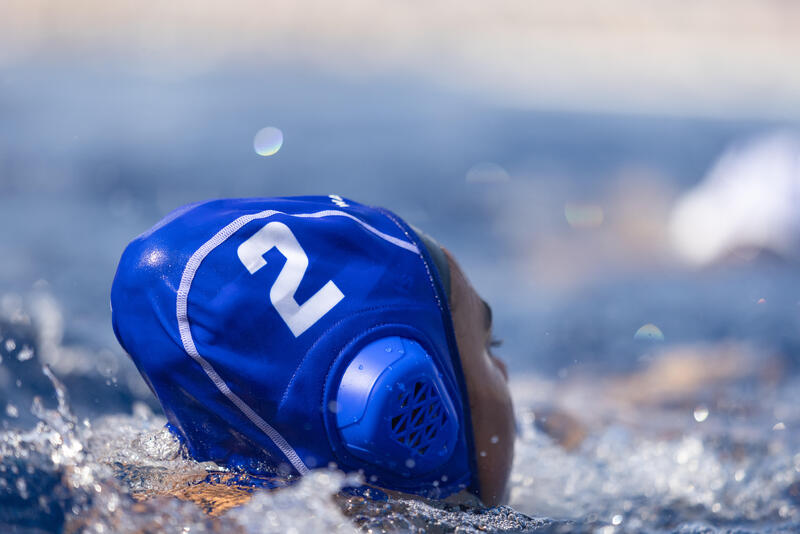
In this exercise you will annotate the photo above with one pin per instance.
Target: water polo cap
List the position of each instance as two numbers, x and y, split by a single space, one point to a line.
284 334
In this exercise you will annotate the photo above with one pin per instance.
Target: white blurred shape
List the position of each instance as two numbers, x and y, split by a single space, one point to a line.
747 200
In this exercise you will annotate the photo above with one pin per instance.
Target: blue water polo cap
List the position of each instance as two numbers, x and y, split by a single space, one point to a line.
284 334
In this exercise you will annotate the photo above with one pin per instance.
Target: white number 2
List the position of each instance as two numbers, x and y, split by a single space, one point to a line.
298 317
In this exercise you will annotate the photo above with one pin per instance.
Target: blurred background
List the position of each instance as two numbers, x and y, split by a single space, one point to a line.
617 178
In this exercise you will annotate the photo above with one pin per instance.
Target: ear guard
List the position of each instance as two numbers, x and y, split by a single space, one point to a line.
393 411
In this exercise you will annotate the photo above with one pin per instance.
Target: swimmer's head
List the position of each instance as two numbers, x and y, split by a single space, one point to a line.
281 335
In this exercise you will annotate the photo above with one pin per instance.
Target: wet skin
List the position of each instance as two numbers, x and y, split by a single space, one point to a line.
487 385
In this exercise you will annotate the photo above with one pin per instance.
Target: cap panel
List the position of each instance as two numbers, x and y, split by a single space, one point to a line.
143 315
241 348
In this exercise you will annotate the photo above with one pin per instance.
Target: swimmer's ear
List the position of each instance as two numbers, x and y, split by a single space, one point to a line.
438 256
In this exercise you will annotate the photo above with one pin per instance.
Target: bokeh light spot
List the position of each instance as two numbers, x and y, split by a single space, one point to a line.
268 141
700 413
649 332
583 215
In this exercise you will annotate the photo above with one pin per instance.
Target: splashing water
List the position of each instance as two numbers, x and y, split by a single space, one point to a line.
130 474
594 456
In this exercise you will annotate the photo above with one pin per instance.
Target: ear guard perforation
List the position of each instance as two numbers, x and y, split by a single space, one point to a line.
394 410
419 419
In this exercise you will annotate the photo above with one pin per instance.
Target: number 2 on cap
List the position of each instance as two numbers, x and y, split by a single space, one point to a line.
298 317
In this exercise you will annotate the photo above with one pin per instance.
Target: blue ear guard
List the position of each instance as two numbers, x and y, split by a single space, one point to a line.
393 410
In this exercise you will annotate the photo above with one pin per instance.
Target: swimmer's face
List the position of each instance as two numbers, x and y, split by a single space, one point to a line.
487 386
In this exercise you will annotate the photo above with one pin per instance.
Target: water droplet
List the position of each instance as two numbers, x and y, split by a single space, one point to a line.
360 367
10 345
25 354
649 332
762 300
779 426
333 406
12 410
616 520
410 463
494 439
700 413
483 454
22 488
268 141
155 257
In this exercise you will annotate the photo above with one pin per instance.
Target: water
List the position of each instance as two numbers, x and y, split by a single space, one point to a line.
694 430
719 453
